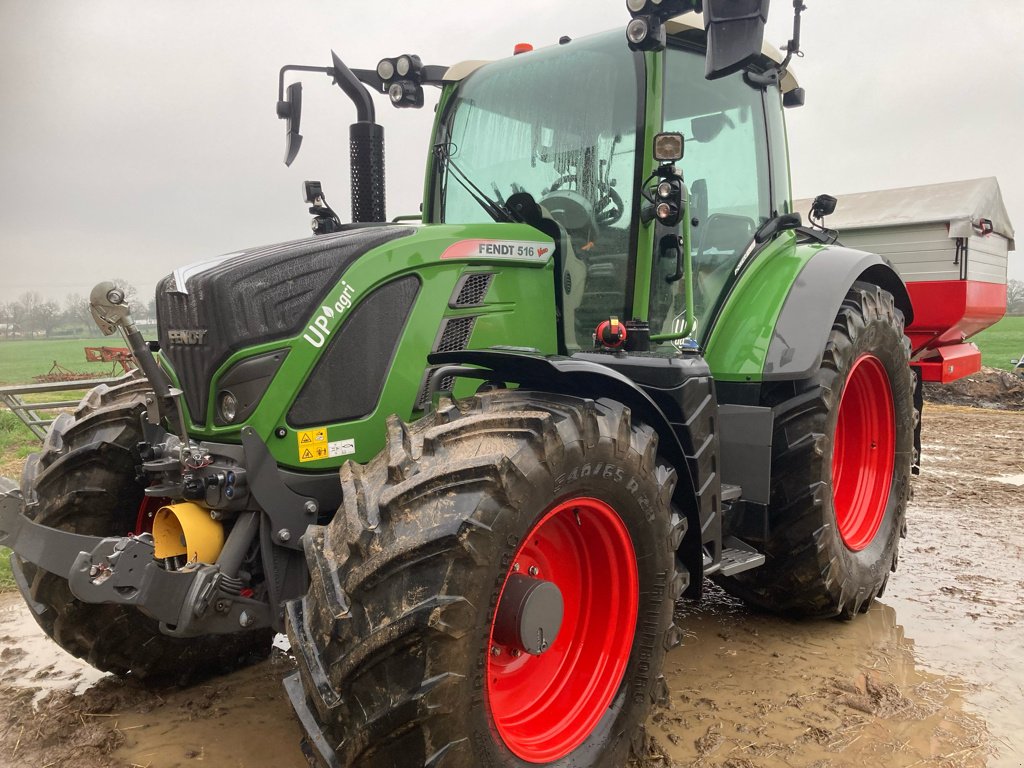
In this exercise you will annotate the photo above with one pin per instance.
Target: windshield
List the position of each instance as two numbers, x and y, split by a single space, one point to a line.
725 167
559 123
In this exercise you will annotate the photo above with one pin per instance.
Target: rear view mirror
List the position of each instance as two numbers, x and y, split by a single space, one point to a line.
735 31
291 110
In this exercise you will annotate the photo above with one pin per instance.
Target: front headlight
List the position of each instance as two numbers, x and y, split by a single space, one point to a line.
228 405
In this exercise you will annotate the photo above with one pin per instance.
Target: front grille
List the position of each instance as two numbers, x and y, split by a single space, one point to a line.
350 375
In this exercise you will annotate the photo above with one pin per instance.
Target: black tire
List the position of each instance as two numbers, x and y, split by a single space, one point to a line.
393 637
810 570
85 480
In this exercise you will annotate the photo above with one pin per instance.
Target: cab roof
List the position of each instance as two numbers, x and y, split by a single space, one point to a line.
688 22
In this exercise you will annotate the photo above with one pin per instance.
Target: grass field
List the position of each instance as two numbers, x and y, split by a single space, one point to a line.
1002 342
21 360
16 442
6 581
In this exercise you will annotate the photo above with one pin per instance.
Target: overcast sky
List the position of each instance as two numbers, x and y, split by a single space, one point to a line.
140 136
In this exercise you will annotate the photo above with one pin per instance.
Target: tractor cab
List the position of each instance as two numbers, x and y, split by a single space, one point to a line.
573 126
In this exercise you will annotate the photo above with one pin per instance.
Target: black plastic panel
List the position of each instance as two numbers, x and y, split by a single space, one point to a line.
248 380
682 387
347 382
258 296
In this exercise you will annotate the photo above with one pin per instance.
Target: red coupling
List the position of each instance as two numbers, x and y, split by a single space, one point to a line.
610 333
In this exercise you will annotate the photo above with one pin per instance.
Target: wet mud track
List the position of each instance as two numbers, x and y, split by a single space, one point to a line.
933 675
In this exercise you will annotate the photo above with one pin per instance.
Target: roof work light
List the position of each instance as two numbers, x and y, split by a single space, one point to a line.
646 28
403 77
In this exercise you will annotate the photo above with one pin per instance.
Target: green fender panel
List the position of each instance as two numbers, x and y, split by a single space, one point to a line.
802 328
777 316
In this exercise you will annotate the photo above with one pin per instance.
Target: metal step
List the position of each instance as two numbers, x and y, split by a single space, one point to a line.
738 556
731 493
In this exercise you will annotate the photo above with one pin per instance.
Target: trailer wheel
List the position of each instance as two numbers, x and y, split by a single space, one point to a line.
84 480
841 460
497 590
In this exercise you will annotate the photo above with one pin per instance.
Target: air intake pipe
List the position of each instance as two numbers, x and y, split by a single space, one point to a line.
366 149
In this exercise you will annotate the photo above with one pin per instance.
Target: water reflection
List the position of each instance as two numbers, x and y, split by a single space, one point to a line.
751 687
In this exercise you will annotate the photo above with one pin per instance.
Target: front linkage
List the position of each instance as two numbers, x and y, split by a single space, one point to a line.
176 565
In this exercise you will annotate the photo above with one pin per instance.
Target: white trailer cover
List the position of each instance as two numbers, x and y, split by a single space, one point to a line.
932 232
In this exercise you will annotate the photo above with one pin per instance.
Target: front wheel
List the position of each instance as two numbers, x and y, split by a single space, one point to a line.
497 590
841 459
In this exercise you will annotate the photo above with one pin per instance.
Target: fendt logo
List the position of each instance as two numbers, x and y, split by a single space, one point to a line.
187 338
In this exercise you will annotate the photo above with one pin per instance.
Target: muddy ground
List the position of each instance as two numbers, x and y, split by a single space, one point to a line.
933 675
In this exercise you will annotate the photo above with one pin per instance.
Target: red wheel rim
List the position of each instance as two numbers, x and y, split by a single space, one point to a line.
863 453
545 706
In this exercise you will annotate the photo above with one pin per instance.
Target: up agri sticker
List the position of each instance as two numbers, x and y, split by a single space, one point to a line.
319 328
521 250
314 445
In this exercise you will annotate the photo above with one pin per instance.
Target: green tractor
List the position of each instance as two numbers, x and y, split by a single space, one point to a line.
606 363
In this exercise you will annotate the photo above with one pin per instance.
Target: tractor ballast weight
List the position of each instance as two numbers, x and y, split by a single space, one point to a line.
470 464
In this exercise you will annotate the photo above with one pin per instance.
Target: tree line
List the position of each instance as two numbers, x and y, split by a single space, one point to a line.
1015 297
30 315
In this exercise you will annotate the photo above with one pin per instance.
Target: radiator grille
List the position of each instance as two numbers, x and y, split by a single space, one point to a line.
455 335
471 290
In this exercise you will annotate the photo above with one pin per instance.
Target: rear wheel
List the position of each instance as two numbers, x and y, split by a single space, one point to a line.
841 459
85 480
498 590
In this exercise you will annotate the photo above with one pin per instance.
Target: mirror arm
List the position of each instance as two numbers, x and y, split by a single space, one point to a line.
793 46
347 80
774 75
297 68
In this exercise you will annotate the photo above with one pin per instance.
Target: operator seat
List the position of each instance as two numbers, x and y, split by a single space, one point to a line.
570 271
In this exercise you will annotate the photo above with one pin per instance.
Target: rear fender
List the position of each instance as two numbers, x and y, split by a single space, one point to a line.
802 329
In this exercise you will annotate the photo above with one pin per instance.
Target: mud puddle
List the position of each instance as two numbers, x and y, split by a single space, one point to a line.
57 711
754 690
931 676
28 657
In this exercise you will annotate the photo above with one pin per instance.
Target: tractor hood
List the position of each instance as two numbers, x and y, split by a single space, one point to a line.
213 308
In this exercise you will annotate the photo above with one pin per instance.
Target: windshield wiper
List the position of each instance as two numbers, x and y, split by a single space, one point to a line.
495 210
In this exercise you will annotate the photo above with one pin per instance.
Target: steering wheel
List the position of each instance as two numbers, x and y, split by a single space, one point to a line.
573 211
608 208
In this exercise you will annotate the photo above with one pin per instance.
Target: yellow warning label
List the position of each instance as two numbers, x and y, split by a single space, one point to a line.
313 444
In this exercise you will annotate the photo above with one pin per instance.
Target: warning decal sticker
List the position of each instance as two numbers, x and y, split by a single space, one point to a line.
520 250
314 446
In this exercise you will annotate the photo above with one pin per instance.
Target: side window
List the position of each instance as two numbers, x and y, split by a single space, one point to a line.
725 167
781 188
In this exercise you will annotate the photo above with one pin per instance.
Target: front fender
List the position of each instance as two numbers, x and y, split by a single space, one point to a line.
588 379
